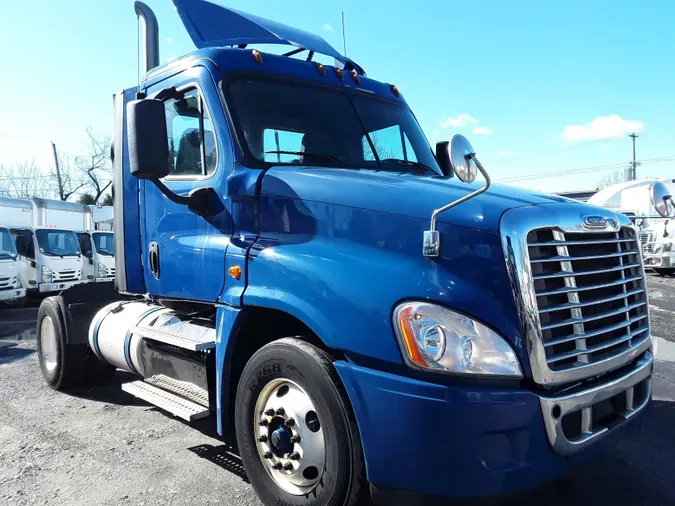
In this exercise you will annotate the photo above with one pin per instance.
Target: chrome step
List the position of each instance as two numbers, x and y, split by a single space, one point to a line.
174 404
187 341
185 389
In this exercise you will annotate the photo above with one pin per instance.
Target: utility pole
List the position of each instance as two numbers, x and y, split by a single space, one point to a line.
58 171
632 170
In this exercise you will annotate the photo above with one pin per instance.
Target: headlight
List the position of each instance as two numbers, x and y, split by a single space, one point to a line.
102 271
18 281
434 338
668 246
47 275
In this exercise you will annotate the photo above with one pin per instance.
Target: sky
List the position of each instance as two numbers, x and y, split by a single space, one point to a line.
545 91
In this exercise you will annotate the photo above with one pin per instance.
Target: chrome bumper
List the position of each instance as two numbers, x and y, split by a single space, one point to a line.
12 293
555 409
58 286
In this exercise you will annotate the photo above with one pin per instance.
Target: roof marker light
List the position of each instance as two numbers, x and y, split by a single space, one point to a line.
322 69
394 90
257 55
339 74
356 77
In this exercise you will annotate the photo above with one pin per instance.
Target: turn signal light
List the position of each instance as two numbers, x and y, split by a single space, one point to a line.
235 272
405 322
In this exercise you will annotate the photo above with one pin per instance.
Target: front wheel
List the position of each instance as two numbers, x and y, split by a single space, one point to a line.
296 433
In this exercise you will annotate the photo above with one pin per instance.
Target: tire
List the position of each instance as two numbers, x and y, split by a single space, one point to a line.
308 370
664 271
65 366
14 304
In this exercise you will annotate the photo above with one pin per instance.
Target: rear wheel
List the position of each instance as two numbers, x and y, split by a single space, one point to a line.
296 433
65 366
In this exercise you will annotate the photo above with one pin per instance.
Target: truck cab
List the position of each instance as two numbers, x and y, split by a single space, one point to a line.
11 291
98 250
363 316
50 259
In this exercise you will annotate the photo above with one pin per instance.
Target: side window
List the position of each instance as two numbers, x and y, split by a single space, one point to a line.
275 141
390 142
192 145
85 244
24 243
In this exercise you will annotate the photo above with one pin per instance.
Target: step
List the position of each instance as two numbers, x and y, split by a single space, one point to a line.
185 389
174 404
185 341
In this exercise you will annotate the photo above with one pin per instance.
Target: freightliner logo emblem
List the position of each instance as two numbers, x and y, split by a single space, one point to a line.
599 222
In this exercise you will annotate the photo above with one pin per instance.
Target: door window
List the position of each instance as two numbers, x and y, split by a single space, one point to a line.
85 244
192 146
24 243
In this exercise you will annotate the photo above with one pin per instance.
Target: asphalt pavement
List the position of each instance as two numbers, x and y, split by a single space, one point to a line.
102 446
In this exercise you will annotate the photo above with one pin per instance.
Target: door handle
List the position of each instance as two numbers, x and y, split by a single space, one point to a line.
154 259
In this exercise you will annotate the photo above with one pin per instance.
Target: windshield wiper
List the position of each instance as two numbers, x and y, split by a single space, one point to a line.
410 163
311 155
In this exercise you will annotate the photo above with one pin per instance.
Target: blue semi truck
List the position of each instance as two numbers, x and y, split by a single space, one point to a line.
295 262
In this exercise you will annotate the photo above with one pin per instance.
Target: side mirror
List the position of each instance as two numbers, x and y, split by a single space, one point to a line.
463 159
148 143
443 158
661 199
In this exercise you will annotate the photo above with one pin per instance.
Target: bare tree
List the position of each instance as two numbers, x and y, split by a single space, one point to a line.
94 164
25 180
618 176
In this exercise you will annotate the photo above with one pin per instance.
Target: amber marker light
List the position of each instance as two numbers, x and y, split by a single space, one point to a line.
405 321
235 271
257 55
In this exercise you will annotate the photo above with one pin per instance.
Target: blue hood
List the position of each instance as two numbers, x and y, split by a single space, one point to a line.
404 194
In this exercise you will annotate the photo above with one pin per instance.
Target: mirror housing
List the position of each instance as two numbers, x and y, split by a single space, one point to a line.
147 137
443 158
661 199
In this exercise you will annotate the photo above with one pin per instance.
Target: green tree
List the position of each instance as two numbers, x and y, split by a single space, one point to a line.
87 199
107 200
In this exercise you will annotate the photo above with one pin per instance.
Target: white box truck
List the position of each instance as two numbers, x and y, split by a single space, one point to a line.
43 230
12 294
98 250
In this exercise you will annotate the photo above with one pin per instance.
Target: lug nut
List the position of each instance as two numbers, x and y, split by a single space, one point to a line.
280 412
288 466
294 456
295 439
277 466
267 455
262 439
269 412
264 423
290 422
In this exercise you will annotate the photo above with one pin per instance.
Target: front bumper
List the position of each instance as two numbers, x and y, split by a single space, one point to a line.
103 280
428 439
12 294
57 287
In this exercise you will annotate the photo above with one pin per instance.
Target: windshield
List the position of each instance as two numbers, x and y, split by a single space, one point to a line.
58 242
289 123
104 242
7 247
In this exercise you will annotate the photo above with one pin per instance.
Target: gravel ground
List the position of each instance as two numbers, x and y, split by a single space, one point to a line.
101 446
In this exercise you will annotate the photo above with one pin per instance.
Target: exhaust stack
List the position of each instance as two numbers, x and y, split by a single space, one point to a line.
150 36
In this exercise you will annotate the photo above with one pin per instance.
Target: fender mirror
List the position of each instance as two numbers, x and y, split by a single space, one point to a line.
661 199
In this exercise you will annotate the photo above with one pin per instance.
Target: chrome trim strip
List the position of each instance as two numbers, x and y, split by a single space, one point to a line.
567 217
583 401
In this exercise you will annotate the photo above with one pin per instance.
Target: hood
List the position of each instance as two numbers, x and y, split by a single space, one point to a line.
404 194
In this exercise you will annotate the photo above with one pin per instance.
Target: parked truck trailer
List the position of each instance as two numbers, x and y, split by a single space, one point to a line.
295 262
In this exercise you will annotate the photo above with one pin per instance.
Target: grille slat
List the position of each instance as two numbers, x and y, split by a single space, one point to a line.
590 295
588 257
567 274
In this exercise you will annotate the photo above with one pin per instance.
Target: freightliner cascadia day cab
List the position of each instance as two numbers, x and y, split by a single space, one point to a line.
12 294
49 254
295 262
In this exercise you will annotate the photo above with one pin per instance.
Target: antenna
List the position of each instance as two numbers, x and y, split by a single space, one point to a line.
344 39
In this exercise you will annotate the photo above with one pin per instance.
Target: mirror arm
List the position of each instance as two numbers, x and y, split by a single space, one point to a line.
432 240
173 197
199 201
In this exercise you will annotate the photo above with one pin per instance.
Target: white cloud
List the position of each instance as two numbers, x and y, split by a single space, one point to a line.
169 40
328 27
461 120
481 131
602 127
506 154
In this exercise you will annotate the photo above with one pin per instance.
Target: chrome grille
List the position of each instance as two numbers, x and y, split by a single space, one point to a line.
645 239
590 295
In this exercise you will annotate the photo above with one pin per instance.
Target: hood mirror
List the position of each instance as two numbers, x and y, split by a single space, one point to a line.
465 164
661 199
462 159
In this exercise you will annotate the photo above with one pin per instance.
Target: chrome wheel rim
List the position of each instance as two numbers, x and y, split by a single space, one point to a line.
48 344
289 436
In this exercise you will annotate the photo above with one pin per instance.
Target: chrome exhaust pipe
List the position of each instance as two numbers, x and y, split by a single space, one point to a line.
150 36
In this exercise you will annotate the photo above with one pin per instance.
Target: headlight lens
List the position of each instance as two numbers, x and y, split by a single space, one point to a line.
434 338
47 275
668 246
102 271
